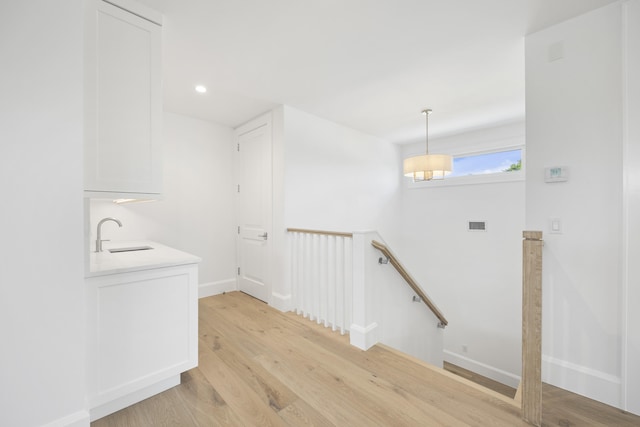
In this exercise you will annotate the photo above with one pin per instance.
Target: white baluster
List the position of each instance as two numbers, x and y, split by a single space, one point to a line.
301 284
340 283
293 272
348 283
306 280
314 277
322 297
331 282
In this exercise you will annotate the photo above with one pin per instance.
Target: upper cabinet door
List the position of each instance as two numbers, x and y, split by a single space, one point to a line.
123 102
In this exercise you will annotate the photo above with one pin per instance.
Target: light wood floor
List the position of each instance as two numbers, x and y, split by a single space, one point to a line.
260 367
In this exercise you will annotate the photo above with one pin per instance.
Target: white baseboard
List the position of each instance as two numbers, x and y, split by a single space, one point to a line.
363 338
216 288
483 369
596 385
132 398
77 419
281 302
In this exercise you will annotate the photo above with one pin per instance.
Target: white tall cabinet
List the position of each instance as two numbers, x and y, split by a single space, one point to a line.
123 103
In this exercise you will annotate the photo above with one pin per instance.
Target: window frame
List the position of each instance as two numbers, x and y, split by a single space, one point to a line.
489 178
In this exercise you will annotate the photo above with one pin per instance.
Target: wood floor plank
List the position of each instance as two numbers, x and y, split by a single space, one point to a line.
335 409
244 401
389 404
563 408
128 417
226 322
204 403
277 340
301 414
166 410
270 390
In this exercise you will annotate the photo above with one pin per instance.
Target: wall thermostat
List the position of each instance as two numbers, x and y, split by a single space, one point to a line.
556 174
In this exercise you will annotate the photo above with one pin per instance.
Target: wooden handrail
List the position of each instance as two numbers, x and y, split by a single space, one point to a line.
321 232
531 385
411 281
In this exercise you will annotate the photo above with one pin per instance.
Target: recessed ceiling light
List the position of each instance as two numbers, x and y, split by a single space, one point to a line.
201 89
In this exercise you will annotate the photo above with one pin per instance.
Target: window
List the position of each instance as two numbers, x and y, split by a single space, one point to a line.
487 163
490 166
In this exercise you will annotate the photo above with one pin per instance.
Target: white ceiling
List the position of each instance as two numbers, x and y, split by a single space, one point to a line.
372 65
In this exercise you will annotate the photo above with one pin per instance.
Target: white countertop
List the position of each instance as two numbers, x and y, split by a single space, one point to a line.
105 262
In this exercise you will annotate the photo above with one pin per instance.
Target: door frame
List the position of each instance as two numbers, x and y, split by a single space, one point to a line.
260 121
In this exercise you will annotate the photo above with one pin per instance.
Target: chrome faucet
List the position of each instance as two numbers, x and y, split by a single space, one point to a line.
99 239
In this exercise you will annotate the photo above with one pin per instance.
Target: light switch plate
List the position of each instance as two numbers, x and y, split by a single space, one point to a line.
555 226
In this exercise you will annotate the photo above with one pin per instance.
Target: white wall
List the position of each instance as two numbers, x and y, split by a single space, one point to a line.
196 212
631 218
486 139
41 271
474 277
574 119
337 178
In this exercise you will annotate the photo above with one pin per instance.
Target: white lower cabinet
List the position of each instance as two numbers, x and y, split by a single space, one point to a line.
142 333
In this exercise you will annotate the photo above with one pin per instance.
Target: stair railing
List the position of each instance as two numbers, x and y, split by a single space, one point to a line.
410 281
321 276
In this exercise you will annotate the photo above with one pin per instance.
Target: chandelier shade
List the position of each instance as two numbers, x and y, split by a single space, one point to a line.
427 166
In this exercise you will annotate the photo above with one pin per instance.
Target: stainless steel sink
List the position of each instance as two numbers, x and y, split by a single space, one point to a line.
130 249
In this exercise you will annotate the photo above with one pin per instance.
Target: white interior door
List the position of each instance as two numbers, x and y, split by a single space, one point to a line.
254 207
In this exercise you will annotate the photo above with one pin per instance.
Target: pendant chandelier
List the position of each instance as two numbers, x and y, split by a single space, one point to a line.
428 166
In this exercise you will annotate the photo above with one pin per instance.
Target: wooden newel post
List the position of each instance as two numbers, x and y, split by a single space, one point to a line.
531 391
